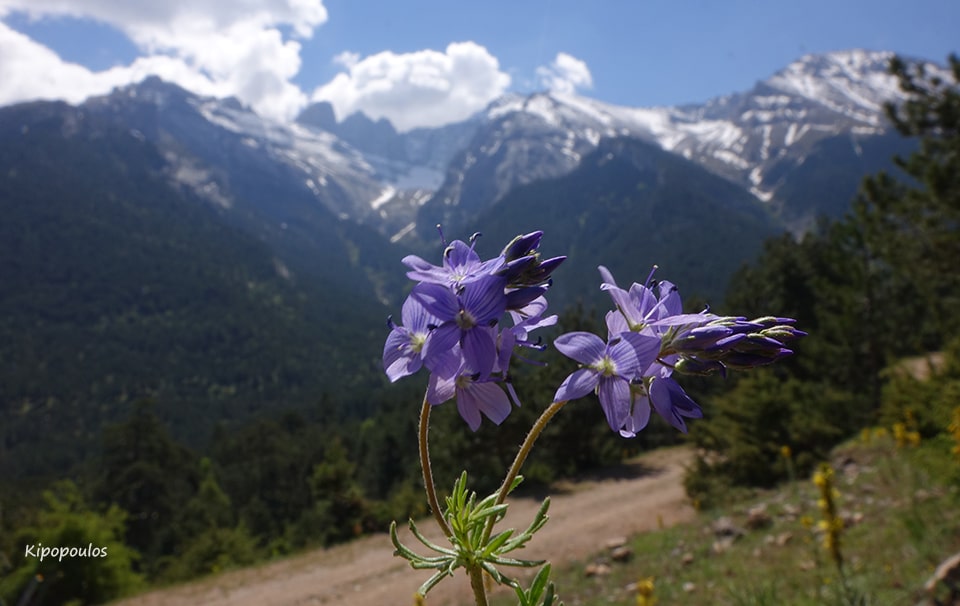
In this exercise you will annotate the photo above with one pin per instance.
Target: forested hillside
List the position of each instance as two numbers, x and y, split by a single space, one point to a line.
118 285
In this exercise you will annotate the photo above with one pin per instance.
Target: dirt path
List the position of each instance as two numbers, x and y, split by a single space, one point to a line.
921 367
583 516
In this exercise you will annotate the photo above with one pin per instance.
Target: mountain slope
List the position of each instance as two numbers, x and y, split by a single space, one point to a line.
628 206
302 192
825 181
119 283
409 165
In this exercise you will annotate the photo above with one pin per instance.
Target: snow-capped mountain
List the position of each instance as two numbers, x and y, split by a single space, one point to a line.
813 98
199 135
366 172
305 193
752 138
410 165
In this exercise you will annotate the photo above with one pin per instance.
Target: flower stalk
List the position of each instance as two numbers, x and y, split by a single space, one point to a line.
427 468
522 455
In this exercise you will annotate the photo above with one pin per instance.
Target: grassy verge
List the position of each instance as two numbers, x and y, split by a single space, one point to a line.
899 508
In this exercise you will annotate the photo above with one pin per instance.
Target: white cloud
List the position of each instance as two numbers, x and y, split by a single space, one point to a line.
347 59
423 88
29 70
208 46
565 75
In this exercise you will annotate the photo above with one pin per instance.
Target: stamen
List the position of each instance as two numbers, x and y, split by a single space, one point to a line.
443 241
474 238
649 282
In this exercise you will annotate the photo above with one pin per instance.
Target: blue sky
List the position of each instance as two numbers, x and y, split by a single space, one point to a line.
425 62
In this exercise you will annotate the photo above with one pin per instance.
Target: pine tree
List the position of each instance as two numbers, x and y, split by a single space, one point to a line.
210 507
338 502
149 476
913 221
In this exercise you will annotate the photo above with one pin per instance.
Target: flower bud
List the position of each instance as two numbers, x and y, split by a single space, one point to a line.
522 246
743 360
697 366
783 333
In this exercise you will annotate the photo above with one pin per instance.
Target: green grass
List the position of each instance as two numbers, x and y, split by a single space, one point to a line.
901 506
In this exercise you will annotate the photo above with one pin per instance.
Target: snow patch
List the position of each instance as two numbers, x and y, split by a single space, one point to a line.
542 107
765 148
282 270
385 196
730 158
198 180
403 232
763 196
772 101
507 105
593 137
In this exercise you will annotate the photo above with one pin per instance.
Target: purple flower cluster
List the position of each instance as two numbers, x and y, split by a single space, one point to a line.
648 338
452 323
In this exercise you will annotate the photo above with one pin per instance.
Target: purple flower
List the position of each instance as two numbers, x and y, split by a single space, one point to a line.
467 318
607 368
525 320
461 264
404 345
639 306
474 396
666 397
700 343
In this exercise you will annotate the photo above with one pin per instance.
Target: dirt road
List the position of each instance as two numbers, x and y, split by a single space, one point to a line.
583 516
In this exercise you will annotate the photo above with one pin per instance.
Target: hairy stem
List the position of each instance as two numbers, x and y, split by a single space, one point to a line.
428 485
476 583
521 457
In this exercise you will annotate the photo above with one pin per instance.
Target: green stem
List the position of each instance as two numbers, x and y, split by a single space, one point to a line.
521 457
428 485
476 583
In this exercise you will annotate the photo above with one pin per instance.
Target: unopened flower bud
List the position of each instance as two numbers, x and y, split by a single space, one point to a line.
783 333
697 366
522 246
743 360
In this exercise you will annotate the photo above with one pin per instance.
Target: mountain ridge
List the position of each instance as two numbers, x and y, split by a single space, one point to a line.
741 137
402 184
